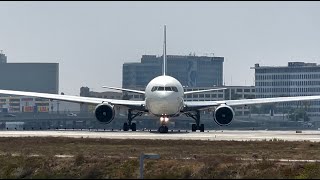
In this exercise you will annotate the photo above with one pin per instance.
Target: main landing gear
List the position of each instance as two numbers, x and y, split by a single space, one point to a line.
163 128
196 117
128 125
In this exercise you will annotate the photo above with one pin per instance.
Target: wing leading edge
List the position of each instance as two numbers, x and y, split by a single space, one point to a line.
243 102
77 99
122 89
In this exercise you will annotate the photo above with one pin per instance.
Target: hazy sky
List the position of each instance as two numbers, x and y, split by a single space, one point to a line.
92 40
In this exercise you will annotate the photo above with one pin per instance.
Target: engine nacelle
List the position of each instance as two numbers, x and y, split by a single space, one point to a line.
104 113
223 115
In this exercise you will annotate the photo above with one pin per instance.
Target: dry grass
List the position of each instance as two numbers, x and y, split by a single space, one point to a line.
105 158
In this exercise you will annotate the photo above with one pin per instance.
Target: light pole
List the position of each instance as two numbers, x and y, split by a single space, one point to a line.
146 156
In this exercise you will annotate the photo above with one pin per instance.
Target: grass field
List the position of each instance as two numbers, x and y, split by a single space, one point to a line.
106 158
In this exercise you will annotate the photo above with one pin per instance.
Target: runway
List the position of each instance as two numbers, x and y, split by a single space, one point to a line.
213 135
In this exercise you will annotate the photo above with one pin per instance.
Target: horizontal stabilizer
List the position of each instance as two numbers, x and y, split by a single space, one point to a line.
122 89
206 90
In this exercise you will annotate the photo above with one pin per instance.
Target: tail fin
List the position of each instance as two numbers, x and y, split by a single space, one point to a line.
164 53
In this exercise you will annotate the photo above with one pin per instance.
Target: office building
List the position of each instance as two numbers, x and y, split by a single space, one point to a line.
34 77
191 71
231 93
296 79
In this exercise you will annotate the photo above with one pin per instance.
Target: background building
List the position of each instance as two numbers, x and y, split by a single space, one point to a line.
232 92
296 79
35 77
3 57
18 104
191 71
85 92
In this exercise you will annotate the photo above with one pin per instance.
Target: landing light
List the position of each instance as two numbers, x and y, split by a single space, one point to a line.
166 119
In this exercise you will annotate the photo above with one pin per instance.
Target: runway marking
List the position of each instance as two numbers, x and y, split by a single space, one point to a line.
230 135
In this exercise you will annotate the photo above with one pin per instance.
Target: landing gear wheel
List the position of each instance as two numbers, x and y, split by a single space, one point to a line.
202 128
196 117
163 129
128 125
133 127
194 127
125 127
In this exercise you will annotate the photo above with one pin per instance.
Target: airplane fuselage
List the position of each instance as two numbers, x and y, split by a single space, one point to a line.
164 96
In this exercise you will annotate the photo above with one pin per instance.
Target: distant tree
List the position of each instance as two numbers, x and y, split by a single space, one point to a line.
298 115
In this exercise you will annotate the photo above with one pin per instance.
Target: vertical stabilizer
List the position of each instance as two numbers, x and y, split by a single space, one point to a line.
164 53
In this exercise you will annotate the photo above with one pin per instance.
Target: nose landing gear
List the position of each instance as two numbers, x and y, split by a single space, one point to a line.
163 128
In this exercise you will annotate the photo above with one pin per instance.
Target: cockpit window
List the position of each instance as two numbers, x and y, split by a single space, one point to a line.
154 88
161 88
175 89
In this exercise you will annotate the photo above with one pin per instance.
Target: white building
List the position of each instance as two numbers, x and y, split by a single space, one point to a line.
232 92
15 104
296 79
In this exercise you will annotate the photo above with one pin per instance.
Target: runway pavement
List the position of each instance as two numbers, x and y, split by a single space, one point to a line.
237 135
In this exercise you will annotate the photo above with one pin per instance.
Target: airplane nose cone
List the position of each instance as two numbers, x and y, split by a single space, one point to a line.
164 94
164 102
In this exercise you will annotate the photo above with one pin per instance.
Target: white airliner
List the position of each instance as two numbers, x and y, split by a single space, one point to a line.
163 98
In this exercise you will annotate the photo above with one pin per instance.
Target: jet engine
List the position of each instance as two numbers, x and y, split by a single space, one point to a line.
223 115
104 113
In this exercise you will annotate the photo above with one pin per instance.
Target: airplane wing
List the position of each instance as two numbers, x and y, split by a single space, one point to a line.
122 89
242 102
201 105
78 99
200 91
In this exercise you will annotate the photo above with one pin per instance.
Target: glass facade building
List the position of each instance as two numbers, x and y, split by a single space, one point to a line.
191 71
296 79
34 77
